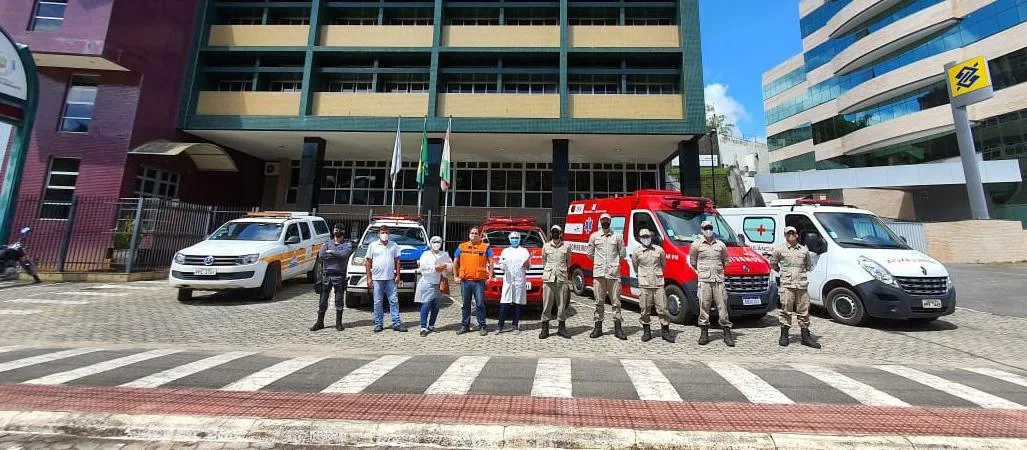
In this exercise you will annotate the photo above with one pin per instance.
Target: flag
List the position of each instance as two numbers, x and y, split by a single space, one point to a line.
397 155
444 173
422 165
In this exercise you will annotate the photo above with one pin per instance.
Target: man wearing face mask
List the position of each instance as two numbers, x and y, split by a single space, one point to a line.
432 265
515 261
649 261
382 265
792 261
708 257
555 290
333 254
606 249
473 266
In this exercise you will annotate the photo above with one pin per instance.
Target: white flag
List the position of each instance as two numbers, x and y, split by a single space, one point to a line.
444 168
397 154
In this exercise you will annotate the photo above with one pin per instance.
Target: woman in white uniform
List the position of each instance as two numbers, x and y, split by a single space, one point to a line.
514 261
433 265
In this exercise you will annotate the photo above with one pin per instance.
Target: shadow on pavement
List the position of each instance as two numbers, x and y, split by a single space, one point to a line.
289 290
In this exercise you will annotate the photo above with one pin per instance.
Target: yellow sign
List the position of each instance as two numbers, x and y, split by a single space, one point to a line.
969 76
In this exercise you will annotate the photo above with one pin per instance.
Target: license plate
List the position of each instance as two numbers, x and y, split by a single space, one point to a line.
751 301
932 303
206 271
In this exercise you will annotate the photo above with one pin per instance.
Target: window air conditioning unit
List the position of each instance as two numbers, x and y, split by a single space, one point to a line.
272 169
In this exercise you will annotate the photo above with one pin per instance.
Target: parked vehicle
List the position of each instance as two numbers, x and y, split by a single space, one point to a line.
861 269
258 252
13 256
496 232
674 221
412 239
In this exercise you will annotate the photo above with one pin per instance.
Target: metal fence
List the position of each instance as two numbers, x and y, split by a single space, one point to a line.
913 232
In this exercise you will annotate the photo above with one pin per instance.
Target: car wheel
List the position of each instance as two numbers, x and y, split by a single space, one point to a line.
578 282
844 306
185 295
269 287
315 273
678 307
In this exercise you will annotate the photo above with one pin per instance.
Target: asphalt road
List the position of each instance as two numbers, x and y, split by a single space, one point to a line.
993 288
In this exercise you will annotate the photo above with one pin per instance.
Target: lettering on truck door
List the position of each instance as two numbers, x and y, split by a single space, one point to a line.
818 274
290 259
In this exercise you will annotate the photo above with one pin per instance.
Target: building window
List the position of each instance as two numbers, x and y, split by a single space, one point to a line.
78 106
355 21
350 82
594 84
234 85
530 83
287 82
157 183
60 188
474 21
472 83
405 82
49 15
653 84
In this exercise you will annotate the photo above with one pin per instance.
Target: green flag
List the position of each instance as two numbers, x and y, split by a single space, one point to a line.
422 165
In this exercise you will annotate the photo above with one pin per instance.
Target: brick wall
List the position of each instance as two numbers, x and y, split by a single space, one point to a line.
889 203
82 32
977 241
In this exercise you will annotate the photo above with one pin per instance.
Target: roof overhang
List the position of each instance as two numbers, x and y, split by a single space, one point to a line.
207 157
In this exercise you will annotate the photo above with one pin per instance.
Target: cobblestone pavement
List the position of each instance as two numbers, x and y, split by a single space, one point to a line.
148 314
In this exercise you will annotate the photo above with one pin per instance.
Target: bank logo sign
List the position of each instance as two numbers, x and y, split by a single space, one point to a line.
968 76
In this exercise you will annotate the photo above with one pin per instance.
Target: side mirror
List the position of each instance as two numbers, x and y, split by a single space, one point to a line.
741 238
815 243
293 240
904 241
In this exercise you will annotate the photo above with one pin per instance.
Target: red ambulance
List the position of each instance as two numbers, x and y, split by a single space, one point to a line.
674 221
496 231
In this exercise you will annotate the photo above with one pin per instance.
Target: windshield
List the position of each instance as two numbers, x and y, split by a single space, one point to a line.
682 227
501 238
248 231
861 230
401 236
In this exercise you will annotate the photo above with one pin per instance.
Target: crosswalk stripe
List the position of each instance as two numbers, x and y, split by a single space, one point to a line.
552 378
40 359
649 381
365 375
96 294
18 312
167 376
259 380
41 301
459 377
1000 374
859 391
81 372
10 348
750 385
962 391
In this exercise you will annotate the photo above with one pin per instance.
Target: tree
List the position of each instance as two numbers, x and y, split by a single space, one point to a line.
717 122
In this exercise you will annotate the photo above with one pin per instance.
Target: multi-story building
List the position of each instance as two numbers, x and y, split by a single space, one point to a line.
865 106
549 100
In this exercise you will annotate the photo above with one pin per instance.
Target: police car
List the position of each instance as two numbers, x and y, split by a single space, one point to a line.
258 252
412 240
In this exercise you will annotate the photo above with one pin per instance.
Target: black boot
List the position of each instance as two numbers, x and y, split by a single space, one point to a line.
545 330
807 339
618 332
320 324
562 330
665 334
704 335
338 321
647 334
729 338
598 331
783 340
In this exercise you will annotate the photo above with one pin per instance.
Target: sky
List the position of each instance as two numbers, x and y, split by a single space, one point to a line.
741 39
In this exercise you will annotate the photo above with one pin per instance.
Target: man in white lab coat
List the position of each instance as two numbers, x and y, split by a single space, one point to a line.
514 261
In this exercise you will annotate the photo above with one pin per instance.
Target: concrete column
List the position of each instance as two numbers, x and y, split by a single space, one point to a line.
308 196
431 195
561 177
688 166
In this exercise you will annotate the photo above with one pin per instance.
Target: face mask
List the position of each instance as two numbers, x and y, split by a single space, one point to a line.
556 236
646 241
605 224
384 237
436 246
707 233
515 242
337 234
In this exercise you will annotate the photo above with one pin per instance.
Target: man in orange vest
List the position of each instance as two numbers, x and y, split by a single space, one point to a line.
472 263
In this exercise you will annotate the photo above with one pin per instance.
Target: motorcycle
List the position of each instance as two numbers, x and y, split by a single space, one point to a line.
13 255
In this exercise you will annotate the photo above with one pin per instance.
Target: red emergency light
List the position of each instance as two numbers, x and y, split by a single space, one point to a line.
509 221
395 217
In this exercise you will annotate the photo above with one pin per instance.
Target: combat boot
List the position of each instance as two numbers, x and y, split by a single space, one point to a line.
704 335
647 334
338 321
729 338
320 324
545 330
562 330
598 331
783 340
665 334
618 332
807 339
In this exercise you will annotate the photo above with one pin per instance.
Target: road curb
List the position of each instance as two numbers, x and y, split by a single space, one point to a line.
186 428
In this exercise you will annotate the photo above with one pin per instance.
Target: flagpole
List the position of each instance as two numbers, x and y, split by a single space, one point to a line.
398 125
445 207
421 188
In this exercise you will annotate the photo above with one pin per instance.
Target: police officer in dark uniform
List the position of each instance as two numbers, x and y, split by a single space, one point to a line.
334 255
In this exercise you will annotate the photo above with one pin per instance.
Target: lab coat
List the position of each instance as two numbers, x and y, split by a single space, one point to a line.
515 276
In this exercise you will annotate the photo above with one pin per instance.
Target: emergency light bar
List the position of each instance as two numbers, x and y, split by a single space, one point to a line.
510 221
277 214
396 217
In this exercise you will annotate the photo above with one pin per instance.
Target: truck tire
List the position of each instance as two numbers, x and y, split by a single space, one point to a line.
315 273
269 287
578 282
185 295
844 306
679 307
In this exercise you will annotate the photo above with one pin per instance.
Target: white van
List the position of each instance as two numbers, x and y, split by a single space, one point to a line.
861 269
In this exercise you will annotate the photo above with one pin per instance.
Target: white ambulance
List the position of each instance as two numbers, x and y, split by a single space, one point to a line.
861 268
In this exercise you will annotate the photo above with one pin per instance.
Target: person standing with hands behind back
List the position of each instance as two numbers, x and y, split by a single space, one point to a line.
606 249
555 292
334 254
708 258
793 261
382 265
